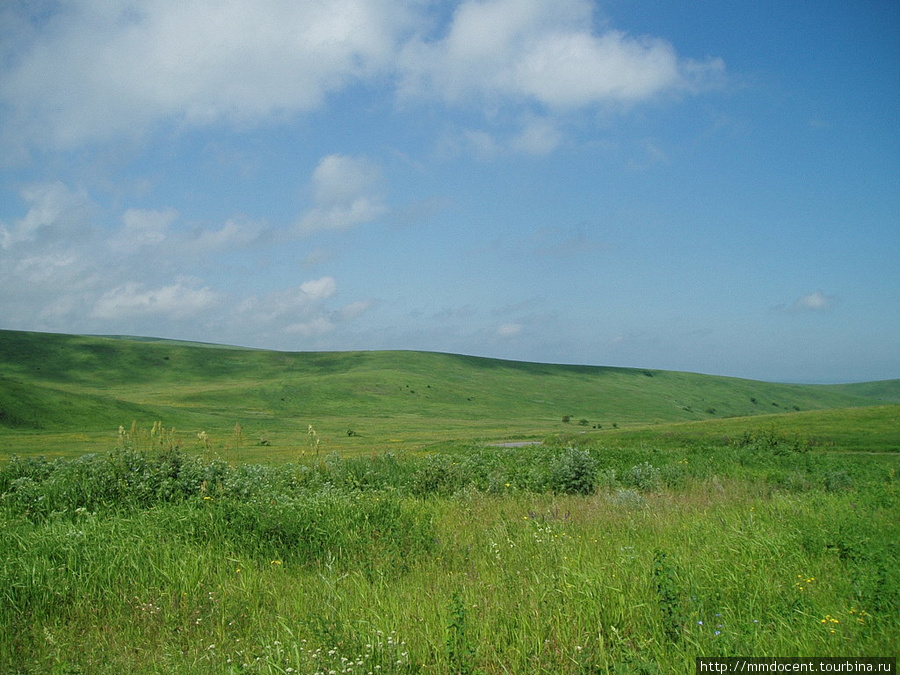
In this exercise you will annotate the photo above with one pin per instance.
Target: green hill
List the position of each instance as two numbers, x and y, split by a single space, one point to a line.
66 384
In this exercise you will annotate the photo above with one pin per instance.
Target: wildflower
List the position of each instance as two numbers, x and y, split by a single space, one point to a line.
276 562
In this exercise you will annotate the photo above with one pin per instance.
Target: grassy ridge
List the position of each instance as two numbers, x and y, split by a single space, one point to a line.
58 384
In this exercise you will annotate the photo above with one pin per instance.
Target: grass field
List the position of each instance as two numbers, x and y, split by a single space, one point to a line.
414 545
64 395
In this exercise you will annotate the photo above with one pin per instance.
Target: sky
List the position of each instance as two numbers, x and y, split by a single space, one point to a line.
694 185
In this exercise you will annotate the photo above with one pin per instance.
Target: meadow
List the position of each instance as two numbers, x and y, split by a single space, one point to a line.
628 549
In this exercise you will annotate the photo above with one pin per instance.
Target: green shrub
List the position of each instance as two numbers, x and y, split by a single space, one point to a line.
437 475
644 477
770 442
574 472
118 480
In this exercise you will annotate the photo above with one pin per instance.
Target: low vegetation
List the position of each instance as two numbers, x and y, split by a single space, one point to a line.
393 542
556 558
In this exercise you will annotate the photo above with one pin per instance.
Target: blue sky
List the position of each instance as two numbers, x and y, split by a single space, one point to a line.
692 185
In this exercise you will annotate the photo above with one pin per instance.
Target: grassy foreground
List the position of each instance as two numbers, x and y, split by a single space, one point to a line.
571 557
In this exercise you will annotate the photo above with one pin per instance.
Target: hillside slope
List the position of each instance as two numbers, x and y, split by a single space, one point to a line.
65 382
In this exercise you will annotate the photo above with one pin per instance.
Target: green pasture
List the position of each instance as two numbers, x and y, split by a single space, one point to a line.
65 395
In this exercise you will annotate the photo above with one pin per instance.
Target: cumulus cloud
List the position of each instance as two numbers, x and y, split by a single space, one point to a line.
546 52
158 233
141 228
89 70
68 265
303 311
345 192
180 300
55 212
86 71
319 289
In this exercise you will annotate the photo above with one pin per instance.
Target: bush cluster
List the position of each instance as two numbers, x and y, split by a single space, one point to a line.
121 479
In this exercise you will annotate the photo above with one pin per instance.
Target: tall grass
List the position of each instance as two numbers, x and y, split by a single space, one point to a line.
554 559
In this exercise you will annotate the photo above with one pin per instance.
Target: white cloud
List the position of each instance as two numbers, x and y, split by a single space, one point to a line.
509 330
339 179
180 300
154 233
537 137
319 325
814 302
341 217
98 69
298 304
233 234
346 193
481 143
142 227
544 51
54 212
355 309
59 270
319 289
91 71
301 311
651 155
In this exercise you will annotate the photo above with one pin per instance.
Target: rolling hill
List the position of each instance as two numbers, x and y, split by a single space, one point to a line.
63 384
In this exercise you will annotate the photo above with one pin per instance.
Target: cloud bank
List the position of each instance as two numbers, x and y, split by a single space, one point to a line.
89 71
61 268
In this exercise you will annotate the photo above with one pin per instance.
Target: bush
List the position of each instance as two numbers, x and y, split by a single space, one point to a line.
573 472
438 475
627 499
770 442
118 480
644 477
